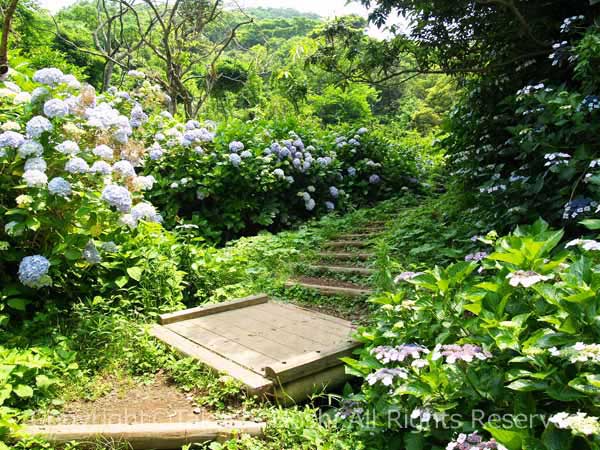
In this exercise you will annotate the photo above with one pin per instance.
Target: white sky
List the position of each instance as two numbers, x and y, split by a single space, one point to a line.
325 8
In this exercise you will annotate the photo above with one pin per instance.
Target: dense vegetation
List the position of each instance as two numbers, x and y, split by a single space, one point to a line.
155 156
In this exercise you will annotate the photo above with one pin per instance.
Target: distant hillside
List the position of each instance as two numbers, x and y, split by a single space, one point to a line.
279 13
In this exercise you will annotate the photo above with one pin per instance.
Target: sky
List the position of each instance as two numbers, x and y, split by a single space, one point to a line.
325 8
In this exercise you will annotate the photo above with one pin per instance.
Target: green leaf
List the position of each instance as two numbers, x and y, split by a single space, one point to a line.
135 273
19 304
527 385
23 391
414 441
511 439
121 281
43 382
591 224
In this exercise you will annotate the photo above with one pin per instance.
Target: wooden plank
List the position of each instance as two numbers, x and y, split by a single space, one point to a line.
146 436
252 334
343 269
344 244
308 324
346 255
309 363
251 358
331 290
356 236
202 311
255 383
323 316
303 388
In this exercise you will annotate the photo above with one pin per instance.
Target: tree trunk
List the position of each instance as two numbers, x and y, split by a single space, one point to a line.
8 16
109 68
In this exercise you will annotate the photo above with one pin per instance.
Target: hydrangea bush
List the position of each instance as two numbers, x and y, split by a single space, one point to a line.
529 143
70 184
466 349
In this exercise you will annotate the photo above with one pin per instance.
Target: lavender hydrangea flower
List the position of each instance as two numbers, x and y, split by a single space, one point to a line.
310 204
101 167
68 148
236 146
351 171
105 152
136 74
476 257
59 186
473 442
33 271
39 94
91 254
386 354
35 178
374 179
362 131
77 165
235 159
246 154
334 192
36 163
454 352
11 139
124 168
37 126
406 276
279 173
71 81
138 117
55 108
330 206
50 76
117 196
30 148
386 376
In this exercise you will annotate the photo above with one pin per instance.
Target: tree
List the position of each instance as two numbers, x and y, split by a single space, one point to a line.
8 11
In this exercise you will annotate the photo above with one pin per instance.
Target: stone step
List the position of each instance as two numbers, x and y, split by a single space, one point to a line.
330 290
342 269
344 244
346 256
356 236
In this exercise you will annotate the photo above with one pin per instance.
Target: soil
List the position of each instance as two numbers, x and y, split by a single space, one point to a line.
330 282
159 402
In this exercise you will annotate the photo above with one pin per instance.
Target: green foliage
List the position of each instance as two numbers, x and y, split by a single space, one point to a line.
529 310
336 105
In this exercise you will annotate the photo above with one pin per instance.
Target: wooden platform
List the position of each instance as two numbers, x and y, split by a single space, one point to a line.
276 349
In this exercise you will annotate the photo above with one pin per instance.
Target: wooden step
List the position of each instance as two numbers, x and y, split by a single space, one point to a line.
342 269
344 244
330 290
146 436
346 256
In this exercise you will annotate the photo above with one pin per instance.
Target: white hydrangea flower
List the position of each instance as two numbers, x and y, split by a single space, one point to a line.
124 168
77 165
35 178
101 167
50 76
55 108
586 244
104 152
68 148
144 183
21 98
36 163
37 126
579 423
59 186
526 278
30 148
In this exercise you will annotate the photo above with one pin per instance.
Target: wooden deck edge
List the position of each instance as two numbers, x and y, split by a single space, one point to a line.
342 244
310 363
299 390
333 290
255 383
202 311
147 435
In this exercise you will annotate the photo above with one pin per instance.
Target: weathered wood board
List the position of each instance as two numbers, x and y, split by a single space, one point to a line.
267 345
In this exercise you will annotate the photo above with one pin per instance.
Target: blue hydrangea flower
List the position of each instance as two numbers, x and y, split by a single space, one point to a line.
91 254
192 124
362 130
354 142
351 171
11 139
235 159
33 271
71 81
236 146
310 204
55 108
298 144
77 165
50 76
59 186
39 94
155 153
145 211
330 206
297 163
590 103
284 153
305 196
37 126
138 117
35 178
30 148
124 168
246 154
68 148
117 196
334 192
279 173
35 163
306 165
104 152
101 167
374 179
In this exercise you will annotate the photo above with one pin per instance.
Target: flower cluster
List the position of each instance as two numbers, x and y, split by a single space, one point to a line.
579 423
387 376
590 103
526 278
578 352
386 354
406 276
586 244
33 271
575 208
453 353
554 159
476 257
568 23
473 441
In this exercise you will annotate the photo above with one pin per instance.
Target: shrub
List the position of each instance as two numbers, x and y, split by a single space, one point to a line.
504 335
